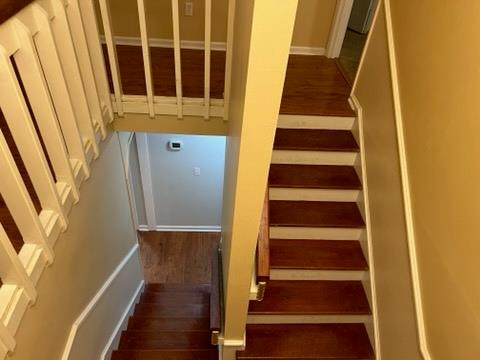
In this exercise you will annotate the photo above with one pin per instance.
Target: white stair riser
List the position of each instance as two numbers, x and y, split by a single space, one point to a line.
315 233
307 319
315 122
313 157
332 275
296 194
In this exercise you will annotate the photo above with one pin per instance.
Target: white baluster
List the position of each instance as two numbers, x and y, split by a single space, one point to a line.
7 338
19 202
146 56
84 102
65 84
178 64
37 91
82 16
208 40
112 54
12 270
21 126
228 58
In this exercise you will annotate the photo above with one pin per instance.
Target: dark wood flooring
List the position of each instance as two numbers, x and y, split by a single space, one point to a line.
177 257
314 85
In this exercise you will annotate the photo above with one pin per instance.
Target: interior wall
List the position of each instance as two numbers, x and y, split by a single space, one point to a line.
396 311
181 199
312 25
99 236
136 182
439 101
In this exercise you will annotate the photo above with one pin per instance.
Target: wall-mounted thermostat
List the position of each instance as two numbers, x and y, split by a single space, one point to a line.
175 145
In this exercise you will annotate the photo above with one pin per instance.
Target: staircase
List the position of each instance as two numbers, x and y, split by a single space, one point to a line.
170 322
315 305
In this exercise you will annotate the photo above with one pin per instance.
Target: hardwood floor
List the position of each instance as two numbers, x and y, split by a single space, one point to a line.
177 257
313 86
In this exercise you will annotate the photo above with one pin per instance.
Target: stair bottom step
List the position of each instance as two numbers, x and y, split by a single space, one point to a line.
165 355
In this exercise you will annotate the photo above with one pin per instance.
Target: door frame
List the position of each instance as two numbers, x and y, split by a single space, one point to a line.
338 28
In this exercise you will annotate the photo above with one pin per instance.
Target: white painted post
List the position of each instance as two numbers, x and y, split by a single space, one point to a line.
79 78
112 54
23 131
146 56
146 177
37 91
83 19
65 83
228 58
19 202
12 270
208 40
178 64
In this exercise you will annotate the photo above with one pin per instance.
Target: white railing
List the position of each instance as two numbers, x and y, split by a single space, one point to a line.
168 105
56 103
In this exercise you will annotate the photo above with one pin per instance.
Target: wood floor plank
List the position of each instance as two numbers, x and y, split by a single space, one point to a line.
316 255
287 297
313 86
177 257
313 176
307 341
315 214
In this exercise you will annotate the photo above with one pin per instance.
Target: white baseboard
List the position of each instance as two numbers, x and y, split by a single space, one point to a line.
199 45
91 306
114 339
182 228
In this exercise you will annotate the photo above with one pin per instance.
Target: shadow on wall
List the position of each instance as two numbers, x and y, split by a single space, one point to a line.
178 181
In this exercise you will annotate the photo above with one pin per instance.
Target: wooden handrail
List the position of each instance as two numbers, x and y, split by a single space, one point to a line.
8 8
216 307
263 246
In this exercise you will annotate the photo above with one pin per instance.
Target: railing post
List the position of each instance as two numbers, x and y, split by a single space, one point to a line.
7 338
228 58
208 43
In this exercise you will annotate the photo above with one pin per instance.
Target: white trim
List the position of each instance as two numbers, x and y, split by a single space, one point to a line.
146 177
181 228
406 187
114 339
366 205
92 304
200 45
338 28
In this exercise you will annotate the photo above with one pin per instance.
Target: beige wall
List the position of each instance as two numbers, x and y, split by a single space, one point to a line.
438 56
311 27
396 312
99 236
259 66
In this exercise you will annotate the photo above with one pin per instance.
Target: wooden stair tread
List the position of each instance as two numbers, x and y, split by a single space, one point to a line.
315 214
313 176
211 354
316 255
174 340
286 297
174 298
155 310
171 288
167 323
307 341
315 140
